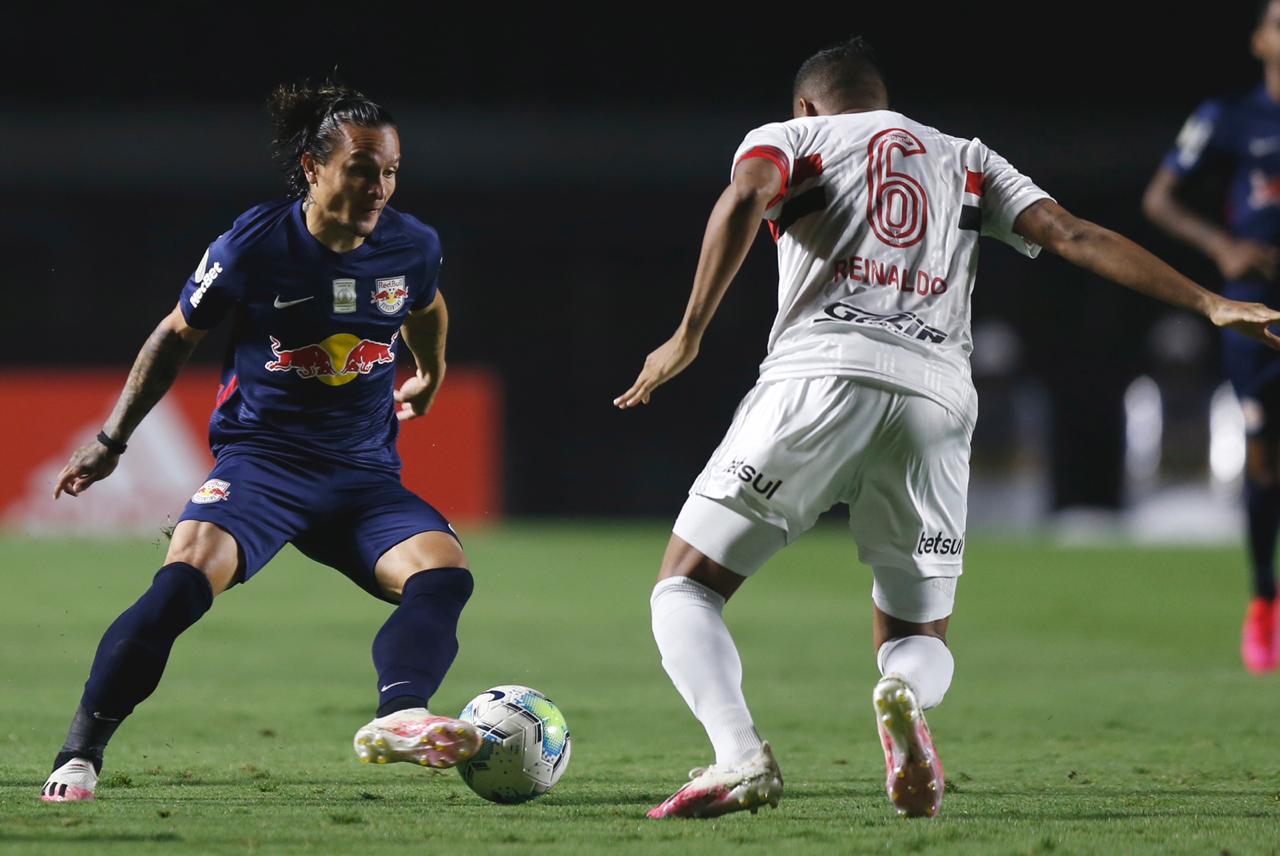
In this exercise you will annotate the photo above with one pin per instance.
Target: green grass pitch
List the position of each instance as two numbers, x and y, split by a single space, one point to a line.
1098 707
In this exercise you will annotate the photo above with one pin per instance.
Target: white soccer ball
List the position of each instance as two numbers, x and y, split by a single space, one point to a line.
526 744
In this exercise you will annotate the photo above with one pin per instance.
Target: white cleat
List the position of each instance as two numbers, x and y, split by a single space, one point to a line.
74 781
913 772
417 737
715 790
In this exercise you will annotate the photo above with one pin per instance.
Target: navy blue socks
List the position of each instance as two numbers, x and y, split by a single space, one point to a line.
414 649
1263 504
132 655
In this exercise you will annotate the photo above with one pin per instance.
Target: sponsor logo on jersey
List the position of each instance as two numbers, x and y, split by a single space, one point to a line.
390 294
907 325
335 360
938 544
214 490
205 277
759 482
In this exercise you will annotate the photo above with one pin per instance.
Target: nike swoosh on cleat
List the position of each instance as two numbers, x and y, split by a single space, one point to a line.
389 686
285 304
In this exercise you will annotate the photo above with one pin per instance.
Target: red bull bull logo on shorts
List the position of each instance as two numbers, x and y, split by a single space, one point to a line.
390 294
335 360
214 490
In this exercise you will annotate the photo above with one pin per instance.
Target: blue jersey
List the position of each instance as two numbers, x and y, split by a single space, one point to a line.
311 365
1243 131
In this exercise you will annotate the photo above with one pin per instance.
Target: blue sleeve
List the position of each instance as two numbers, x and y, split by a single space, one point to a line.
216 285
432 262
1201 135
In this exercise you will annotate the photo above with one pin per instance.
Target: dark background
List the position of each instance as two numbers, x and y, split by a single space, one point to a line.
569 157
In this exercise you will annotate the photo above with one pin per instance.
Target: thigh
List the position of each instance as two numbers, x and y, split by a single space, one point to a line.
260 502
710 538
381 518
908 604
908 503
782 460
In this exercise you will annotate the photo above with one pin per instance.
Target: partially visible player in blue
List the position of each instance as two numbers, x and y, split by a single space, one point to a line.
1242 133
322 289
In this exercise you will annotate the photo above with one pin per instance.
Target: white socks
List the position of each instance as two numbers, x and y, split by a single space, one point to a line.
699 655
925 662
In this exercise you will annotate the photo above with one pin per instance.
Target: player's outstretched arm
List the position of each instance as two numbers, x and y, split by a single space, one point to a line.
730 230
154 371
1235 257
424 332
1120 260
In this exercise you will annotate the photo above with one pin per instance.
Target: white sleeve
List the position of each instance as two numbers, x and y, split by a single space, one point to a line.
773 143
1006 194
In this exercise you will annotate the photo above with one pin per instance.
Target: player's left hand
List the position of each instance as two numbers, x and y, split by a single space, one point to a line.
417 393
672 357
1250 319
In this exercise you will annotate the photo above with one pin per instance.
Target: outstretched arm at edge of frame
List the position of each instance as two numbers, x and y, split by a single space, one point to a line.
730 231
1120 260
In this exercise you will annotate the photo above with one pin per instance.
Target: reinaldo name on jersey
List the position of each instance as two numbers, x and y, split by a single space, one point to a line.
877 226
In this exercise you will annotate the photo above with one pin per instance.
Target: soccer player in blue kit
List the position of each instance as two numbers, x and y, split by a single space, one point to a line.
322 287
1243 133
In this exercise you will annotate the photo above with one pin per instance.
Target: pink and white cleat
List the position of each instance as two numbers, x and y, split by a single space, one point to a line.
416 736
715 790
1258 637
913 772
74 781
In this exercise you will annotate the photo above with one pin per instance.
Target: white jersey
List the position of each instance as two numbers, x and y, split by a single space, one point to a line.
877 227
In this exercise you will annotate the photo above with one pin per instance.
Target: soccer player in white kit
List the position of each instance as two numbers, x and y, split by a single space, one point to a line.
865 397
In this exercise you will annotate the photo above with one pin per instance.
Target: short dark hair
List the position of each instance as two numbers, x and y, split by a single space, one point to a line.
848 71
307 119
1263 5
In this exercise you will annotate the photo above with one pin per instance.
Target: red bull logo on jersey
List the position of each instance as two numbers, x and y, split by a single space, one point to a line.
214 490
336 360
1264 189
389 294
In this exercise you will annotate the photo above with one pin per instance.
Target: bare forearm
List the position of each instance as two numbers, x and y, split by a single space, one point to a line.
157 366
425 334
731 229
1120 260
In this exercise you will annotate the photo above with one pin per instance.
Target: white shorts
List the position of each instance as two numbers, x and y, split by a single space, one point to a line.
797 447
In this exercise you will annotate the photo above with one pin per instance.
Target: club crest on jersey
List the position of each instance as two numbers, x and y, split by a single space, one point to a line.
389 294
334 360
344 295
214 490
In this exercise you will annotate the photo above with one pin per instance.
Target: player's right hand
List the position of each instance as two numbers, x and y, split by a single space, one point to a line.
1241 258
91 462
671 358
1251 319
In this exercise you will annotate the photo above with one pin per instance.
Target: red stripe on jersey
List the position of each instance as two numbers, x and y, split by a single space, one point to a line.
973 182
224 391
807 167
774 231
776 156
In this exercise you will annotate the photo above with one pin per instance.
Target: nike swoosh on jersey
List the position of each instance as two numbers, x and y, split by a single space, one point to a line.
285 304
1264 146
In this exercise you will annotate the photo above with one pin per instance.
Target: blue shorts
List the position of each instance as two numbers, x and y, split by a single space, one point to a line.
1253 367
338 516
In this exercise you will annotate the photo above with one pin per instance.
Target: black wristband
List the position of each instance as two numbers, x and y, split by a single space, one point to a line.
115 447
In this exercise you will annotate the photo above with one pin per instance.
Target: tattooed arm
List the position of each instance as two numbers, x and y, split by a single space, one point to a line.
157 366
